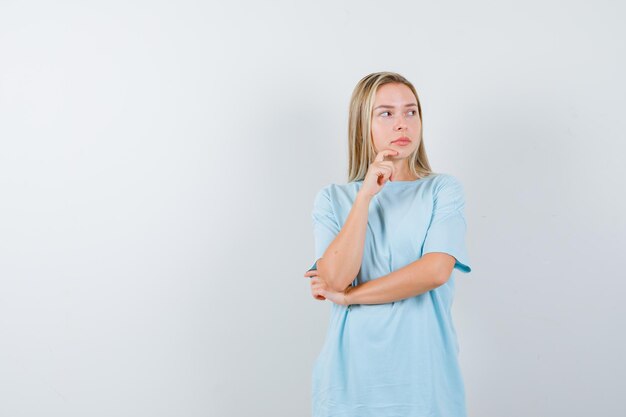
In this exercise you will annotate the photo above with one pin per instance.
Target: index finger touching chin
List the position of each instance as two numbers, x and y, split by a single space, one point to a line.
385 152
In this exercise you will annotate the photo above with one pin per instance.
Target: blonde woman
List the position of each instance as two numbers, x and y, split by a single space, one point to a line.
386 245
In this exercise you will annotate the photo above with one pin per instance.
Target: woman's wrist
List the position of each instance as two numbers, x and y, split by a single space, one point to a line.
348 295
361 196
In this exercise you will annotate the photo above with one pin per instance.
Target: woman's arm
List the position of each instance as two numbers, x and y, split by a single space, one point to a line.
425 274
342 259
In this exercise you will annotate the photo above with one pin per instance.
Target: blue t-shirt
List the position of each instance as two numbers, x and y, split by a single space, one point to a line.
399 358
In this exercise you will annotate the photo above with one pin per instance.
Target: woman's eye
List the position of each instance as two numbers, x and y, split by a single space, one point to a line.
413 111
384 112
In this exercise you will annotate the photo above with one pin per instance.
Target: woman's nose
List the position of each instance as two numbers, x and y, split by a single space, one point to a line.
400 123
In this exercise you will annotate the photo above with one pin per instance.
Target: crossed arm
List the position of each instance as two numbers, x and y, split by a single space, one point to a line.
420 276
342 260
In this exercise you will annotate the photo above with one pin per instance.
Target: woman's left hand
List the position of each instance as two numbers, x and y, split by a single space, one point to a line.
321 291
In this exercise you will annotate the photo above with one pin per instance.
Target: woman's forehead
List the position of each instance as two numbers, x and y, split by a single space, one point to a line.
394 95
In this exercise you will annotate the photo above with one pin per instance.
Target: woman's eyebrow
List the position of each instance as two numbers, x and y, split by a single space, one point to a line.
391 107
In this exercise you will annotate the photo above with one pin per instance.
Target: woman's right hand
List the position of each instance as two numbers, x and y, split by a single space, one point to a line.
378 173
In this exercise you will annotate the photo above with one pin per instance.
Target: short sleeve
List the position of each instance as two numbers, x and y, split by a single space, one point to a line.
447 229
325 225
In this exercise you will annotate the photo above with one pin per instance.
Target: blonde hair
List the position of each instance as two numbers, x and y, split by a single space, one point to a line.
361 151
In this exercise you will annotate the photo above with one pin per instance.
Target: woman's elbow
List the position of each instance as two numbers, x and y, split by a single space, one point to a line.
441 265
333 282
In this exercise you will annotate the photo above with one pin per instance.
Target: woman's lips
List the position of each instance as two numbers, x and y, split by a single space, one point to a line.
401 142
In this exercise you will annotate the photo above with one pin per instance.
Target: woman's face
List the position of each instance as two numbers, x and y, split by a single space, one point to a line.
395 115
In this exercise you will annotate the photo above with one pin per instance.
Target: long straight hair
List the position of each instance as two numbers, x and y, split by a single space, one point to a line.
361 151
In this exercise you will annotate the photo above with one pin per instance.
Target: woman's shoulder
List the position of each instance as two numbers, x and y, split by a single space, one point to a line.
444 176
448 188
337 194
333 187
446 179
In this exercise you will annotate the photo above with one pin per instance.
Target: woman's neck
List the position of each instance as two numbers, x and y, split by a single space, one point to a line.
403 175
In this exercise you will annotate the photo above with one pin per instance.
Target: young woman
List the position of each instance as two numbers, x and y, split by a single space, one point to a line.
386 245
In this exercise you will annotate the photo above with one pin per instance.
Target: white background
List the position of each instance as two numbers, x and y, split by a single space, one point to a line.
158 163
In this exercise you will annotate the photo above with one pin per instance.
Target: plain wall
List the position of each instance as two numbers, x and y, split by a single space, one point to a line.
158 163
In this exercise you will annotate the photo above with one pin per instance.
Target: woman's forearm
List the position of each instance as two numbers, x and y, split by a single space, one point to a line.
342 259
415 278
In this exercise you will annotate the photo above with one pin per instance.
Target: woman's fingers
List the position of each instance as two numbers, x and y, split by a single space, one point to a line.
318 288
315 282
317 291
380 157
391 170
385 169
317 285
311 273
